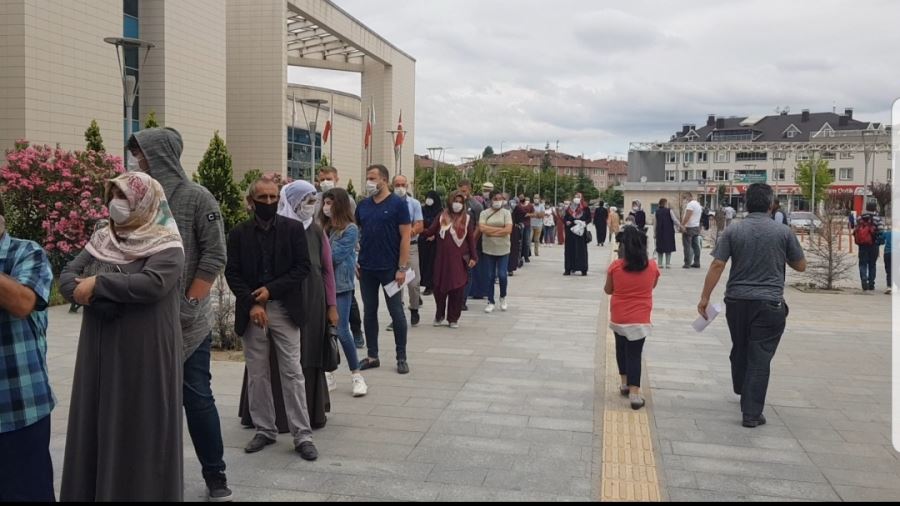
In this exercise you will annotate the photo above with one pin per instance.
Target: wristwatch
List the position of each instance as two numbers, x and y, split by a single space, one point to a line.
194 301
403 268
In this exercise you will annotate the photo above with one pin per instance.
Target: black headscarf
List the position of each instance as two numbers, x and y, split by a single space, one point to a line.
430 213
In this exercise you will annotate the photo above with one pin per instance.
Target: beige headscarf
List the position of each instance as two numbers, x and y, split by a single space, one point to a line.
150 228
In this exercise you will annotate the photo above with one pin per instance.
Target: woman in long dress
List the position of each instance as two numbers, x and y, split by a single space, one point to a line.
666 223
430 211
518 235
299 202
559 216
576 245
124 440
601 216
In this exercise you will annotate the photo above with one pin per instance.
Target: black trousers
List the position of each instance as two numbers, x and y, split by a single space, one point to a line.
628 355
756 328
26 471
355 318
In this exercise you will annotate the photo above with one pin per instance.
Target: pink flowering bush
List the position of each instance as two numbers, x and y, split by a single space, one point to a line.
55 197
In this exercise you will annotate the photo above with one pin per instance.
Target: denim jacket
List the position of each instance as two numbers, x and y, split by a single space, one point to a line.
343 253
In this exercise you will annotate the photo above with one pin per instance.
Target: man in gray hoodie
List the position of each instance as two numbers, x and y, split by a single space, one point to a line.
158 153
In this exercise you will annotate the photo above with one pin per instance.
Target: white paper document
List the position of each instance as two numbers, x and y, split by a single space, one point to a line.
712 312
393 289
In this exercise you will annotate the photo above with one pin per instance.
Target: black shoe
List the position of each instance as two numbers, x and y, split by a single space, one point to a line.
465 308
527 260
307 451
217 488
584 274
369 363
428 292
402 367
258 443
696 267
567 274
752 422
360 342
414 318
685 266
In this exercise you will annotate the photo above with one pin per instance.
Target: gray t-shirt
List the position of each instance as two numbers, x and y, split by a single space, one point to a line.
758 249
538 222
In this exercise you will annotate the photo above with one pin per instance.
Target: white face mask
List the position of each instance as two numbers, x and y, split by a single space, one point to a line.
306 211
400 192
327 186
457 207
119 211
326 210
429 202
133 164
497 205
371 188
577 202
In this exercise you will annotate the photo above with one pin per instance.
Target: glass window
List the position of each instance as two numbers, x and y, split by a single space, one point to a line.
846 174
130 7
703 157
846 155
132 27
779 175
723 157
687 175
702 174
890 175
802 157
671 176
752 157
829 156
689 158
672 158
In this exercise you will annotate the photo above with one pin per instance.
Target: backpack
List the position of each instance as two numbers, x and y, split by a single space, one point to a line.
866 232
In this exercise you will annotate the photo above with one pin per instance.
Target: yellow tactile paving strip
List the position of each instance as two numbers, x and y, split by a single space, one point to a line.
629 464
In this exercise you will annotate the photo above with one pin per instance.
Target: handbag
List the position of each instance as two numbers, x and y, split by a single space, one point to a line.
332 359
588 237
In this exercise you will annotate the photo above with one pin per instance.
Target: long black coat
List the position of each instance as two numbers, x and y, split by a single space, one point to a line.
291 269
601 215
665 231
576 246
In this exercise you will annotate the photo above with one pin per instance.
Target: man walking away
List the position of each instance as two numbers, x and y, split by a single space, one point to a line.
158 152
868 235
690 239
537 224
758 249
26 471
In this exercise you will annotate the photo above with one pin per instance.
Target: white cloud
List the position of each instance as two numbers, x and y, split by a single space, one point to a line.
596 75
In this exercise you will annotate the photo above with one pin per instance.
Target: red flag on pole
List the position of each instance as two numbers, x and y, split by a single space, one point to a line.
370 126
326 133
401 135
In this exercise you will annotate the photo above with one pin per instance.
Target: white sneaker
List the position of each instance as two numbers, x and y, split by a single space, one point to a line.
360 389
439 323
503 304
489 309
329 378
454 326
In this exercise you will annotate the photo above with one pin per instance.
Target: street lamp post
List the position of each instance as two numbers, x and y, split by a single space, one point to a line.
130 84
434 162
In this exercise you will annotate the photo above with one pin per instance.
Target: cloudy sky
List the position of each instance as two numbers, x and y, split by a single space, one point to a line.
596 75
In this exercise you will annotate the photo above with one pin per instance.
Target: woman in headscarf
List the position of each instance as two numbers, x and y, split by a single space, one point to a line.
299 202
520 221
559 216
124 440
637 212
615 223
666 224
427 250
454 235
576 219
601 217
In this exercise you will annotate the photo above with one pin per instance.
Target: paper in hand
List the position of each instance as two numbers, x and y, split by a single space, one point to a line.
392 288
712 312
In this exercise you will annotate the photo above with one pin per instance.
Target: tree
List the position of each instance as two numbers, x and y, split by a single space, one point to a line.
828 263
93 138
352 191
882 192
823 179
488 152
215 173
151 121
723 196
546 161
249 178
55 197
586 186
323 162
613 197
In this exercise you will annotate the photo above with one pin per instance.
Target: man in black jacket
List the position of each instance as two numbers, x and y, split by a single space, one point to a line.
268 260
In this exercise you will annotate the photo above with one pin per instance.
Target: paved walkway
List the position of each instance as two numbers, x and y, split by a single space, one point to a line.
513 406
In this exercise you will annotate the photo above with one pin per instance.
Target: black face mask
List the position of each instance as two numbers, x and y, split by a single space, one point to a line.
266 212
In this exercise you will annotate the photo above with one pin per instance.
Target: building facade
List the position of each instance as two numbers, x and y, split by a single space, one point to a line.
737 152
598 171
215 66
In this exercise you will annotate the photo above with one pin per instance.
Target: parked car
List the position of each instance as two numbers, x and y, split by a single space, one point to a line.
803 221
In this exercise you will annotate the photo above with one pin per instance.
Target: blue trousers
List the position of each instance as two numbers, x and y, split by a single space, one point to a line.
371 284
344 301
201 413
498 267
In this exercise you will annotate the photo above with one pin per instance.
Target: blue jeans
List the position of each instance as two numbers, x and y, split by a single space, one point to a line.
497 267
344 301
868 263
526 242
201 413
371 284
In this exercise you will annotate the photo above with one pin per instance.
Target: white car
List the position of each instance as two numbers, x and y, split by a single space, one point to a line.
803 220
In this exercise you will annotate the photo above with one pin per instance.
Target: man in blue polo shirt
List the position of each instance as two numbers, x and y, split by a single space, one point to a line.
385 231
26 471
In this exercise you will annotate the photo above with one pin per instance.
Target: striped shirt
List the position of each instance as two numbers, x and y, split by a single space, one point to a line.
25 394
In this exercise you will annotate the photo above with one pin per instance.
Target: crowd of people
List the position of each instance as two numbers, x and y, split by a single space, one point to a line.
144 279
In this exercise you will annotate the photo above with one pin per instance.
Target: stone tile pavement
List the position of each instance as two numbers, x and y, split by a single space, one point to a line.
511 406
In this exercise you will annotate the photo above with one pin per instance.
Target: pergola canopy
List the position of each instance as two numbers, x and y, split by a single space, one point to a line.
310 41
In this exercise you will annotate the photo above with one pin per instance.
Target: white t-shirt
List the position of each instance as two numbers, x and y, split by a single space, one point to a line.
696 214
549 221
729 213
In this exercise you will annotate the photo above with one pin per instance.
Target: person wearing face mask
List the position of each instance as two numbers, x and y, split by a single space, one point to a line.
577 217
527 232
454 234
26 469
328 180
268 265
299 202
401 190
157 151
129 366
427 251
474 208
496 228
521 221
386 229
640 217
